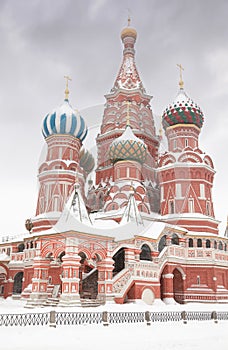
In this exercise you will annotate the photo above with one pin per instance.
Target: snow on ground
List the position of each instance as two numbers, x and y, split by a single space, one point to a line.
203 335
159 336
17 306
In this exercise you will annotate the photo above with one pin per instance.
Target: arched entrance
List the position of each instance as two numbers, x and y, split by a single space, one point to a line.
17 284
175 239
171 285
119 261
178 289
3 278
2 282
162 243
145 253
88 286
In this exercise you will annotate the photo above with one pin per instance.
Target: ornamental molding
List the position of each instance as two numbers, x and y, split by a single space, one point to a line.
168 275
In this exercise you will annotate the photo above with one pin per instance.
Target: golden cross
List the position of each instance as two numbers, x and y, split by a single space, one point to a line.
181 83
67 90
129 18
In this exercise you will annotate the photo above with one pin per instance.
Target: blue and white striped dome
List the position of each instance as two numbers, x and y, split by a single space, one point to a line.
64 120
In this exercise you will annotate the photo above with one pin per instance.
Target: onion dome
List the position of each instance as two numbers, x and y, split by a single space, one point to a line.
183 110
86 160
128 31
128 147
64 120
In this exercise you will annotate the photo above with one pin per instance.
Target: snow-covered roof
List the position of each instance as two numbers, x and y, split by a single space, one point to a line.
4 257
110 228
131 212
189 216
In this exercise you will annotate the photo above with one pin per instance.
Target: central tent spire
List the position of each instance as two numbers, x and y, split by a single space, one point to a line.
128 77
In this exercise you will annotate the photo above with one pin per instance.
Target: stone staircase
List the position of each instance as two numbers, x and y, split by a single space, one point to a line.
89 285
53 295
91 302
52 298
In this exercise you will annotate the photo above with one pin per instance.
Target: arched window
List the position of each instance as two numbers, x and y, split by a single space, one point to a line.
199 243
55 203
215 244
186 142
145 253
21 247
208 243
225 247
190 243
17 285
83 257
175 239
191 205
61 255
220 245
162 243
208 209
171 207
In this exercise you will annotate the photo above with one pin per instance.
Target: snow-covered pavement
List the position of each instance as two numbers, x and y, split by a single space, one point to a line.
159 336
203 335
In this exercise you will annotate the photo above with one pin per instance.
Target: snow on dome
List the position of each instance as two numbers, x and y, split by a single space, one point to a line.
128 147
64 120
182 111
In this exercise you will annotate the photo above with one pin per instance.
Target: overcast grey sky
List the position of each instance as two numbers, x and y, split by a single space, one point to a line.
43 40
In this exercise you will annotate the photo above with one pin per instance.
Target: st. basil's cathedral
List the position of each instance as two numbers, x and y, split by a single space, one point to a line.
144 228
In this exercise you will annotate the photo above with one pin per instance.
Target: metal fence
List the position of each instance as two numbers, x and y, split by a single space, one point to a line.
29 319
125 317
55 318
165 316
74 318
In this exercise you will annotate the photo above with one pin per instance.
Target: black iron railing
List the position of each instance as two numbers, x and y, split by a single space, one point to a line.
126 317
29 319
55 318
165 316
74 318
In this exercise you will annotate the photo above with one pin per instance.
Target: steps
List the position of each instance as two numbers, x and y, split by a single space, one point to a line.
90 303
51 302
89 285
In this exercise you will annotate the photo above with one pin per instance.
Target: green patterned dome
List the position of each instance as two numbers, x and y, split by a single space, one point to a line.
182 111
128 147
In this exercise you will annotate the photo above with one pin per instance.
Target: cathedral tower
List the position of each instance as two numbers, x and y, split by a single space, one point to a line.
64 130
186 173
128 96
